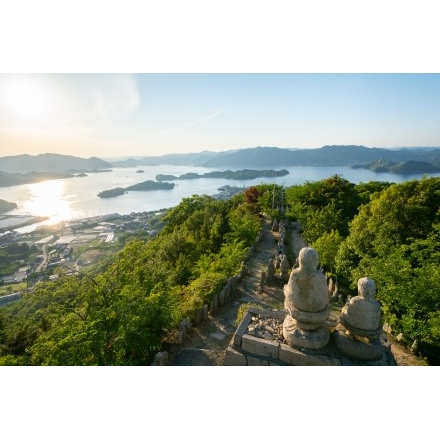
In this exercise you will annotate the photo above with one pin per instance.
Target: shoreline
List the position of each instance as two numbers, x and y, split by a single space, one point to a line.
41 222
33 223
14 222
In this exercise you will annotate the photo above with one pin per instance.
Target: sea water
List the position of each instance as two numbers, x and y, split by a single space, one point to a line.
77 197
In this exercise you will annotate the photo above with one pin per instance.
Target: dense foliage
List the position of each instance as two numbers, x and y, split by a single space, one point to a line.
123 311
395 240
324 206
12 254
389 232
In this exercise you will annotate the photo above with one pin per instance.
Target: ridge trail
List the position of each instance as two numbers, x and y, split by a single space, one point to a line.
206 343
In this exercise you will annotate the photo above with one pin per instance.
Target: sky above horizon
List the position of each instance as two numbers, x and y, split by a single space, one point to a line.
120 115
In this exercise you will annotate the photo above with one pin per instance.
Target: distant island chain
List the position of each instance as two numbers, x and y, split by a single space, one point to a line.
150 185
58 187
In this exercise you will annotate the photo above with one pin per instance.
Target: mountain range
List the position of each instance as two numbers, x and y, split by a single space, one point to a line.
329 155
49 162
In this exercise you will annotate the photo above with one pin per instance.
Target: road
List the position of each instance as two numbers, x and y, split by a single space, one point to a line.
45 261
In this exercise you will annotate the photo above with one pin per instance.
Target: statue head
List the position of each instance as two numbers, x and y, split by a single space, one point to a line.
308 258
366 288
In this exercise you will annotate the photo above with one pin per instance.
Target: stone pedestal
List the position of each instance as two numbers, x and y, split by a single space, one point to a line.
356 348
296 336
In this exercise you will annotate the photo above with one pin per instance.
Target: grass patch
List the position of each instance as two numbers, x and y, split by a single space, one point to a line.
243 309
12 288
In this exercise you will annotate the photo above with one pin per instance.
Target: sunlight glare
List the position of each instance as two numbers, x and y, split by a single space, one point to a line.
26 98
48 199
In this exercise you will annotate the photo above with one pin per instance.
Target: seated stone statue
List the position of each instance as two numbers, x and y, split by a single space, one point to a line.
362 315
271 269
306 301
284 266
361 324
307 286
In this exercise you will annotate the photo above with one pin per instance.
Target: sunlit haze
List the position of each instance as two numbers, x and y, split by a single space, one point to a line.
119 115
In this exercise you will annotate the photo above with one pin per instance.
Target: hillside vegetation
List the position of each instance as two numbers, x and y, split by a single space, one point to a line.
126 309
388 232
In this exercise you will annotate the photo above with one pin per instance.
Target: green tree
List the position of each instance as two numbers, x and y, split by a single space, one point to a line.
327 246
395 240
323 206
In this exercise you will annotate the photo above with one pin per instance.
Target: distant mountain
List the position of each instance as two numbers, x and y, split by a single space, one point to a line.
49 162
329 155
258 157
195 159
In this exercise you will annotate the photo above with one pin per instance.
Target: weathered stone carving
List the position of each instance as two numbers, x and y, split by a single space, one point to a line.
284 267
357 336
307 304
270 269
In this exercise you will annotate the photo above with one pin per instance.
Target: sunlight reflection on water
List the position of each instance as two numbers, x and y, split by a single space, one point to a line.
49 199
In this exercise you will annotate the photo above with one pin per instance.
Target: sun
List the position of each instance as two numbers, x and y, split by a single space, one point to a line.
26 97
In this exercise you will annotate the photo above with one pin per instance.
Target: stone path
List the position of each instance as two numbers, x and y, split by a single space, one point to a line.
206 344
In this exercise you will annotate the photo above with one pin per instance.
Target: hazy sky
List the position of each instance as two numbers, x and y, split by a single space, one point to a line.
124 114
111 115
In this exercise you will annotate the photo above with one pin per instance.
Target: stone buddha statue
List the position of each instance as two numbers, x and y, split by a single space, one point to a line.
362 315
306 300
360 326
284 266
271 269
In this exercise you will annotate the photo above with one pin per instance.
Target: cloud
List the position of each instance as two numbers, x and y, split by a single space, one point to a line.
195 122
114 95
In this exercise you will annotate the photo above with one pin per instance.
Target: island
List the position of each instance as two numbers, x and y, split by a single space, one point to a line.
407 167
6 206
148 185
228 174
111 193
140 171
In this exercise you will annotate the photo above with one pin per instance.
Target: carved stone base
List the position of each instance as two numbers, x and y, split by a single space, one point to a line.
308 320
356 349
296 337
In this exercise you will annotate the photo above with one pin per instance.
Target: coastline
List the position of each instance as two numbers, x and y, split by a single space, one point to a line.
14 222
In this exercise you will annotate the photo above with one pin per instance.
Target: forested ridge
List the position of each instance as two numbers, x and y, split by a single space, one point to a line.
388 232
125 310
